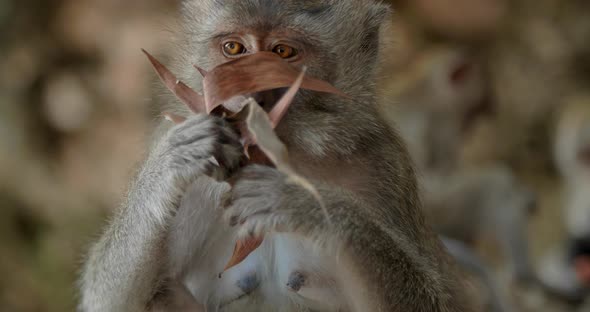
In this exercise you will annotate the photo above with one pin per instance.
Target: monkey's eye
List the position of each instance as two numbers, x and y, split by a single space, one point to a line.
233 48
285 51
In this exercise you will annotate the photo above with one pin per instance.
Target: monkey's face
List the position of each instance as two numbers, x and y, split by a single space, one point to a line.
334 39
338 41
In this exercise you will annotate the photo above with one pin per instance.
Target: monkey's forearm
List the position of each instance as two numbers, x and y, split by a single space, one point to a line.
122 272
124 269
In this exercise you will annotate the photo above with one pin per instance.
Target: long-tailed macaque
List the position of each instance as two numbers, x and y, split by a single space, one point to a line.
177 229
435 116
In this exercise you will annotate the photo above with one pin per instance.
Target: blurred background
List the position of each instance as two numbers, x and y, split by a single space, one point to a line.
492 96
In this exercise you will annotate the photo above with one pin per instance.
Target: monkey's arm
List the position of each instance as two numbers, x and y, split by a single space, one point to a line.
381 266
122 271
125 268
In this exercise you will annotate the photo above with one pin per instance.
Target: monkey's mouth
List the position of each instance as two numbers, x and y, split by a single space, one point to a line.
268 99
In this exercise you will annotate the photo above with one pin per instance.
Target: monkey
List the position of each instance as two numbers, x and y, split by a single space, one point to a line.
365 247
485 201
435 117
438 107
562 269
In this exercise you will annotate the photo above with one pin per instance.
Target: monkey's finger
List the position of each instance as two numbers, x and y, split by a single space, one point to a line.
226 200
212 170
253 215
228 135
228 156
263 222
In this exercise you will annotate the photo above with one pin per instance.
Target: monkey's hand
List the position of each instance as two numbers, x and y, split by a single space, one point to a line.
191 148
264 199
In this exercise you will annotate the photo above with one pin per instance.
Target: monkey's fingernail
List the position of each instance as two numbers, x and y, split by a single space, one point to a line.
233 221
214 161
226 200
209 170
174 118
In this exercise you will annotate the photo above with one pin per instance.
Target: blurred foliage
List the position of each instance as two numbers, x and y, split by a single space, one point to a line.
74 111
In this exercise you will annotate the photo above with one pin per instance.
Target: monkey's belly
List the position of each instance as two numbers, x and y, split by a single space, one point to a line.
286 273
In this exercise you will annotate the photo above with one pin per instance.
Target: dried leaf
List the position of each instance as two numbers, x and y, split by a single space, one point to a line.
184 93
260 128
242 250
261 131
201 71
280 109
258 72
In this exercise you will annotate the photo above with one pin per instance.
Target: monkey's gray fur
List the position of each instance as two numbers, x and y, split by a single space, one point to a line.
375 253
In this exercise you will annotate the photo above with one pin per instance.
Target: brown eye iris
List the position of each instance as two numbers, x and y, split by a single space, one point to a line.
285 51
234 48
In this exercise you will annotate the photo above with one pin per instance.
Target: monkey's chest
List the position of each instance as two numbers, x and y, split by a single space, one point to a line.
285 274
